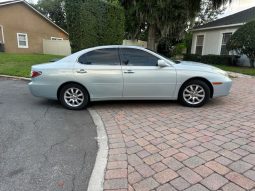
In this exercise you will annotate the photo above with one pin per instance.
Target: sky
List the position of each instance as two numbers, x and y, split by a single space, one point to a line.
234 7
237 6
33 1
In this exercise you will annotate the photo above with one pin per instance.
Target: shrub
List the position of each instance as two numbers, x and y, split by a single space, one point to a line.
94 22
243 41
227 60
192 57
179 48
216 59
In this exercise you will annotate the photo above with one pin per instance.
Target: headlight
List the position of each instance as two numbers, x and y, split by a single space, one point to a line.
222 72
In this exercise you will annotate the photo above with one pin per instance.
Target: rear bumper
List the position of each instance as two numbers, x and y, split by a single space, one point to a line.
43 90
222 89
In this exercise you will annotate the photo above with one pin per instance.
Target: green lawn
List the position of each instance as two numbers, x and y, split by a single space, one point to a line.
20 64
242 70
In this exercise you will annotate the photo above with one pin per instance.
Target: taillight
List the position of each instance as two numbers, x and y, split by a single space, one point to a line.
35 74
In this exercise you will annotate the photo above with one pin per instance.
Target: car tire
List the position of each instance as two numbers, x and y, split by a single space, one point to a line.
74 97
194 93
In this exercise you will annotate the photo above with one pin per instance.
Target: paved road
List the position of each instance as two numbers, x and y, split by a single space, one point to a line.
42 145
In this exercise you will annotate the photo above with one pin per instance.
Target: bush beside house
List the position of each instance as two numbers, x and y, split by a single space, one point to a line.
243 41
227 60
93 23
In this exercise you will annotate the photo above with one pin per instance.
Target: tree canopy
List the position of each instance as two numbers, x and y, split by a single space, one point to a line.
153 20
208 12
243 41
93 23
53 9
161 18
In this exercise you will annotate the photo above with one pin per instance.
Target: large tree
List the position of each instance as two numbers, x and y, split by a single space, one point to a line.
208 12
161 18
53 9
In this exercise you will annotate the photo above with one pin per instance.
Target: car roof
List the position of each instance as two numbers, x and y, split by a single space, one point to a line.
73 57
116 46
79 53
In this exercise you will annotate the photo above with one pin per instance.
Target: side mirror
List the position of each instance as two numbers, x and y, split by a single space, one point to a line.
162 63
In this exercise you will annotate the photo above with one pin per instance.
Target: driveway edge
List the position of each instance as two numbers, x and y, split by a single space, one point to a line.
238 75
97 177
15 77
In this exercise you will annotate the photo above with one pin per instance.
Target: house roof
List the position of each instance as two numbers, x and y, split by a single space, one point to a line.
236 19
31 7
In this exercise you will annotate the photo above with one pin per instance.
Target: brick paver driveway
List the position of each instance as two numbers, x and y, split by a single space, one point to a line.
164 146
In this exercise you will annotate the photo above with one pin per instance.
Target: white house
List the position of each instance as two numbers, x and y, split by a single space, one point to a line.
211 38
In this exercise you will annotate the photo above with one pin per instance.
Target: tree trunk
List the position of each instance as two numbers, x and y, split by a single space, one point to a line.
252 62
152 38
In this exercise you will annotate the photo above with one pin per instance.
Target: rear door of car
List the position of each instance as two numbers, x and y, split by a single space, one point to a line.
100 72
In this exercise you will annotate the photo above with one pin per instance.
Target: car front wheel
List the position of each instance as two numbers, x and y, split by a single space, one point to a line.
194 93
74 97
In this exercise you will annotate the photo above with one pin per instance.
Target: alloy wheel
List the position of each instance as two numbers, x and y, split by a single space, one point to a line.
74 97
194 94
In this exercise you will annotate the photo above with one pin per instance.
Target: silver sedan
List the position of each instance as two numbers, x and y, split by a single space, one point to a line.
126 73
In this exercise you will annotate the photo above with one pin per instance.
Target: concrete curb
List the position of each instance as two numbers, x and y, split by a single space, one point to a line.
15 77
239 75
97 177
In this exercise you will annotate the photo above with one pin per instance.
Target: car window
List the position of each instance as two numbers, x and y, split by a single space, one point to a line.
136 57
107 56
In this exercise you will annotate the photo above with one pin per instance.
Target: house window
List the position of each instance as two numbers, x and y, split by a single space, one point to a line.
22 40
225 39
56 38
199 44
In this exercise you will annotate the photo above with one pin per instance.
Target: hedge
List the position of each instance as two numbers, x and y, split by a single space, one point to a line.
228 60
94 22
192 57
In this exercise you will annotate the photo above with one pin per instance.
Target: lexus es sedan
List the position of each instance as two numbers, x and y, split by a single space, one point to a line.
126 73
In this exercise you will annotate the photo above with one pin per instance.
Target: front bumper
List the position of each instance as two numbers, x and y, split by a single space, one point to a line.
222 89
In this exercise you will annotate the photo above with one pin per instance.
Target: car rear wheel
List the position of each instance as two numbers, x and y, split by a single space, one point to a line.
74 97
194 93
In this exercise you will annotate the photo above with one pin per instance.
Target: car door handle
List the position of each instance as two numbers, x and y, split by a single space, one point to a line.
82 71
129 72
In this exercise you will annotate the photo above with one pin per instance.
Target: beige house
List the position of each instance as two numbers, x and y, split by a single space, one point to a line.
23 29
211 38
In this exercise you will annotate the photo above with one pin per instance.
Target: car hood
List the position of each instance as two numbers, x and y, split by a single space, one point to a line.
195 66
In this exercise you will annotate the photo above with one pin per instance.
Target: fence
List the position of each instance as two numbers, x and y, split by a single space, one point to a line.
56 47
135 43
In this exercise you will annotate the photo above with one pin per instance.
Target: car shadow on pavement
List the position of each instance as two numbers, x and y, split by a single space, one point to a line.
134 103
155 103
47 102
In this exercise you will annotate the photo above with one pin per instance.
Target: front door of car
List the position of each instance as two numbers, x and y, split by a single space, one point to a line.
100 72
142 76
